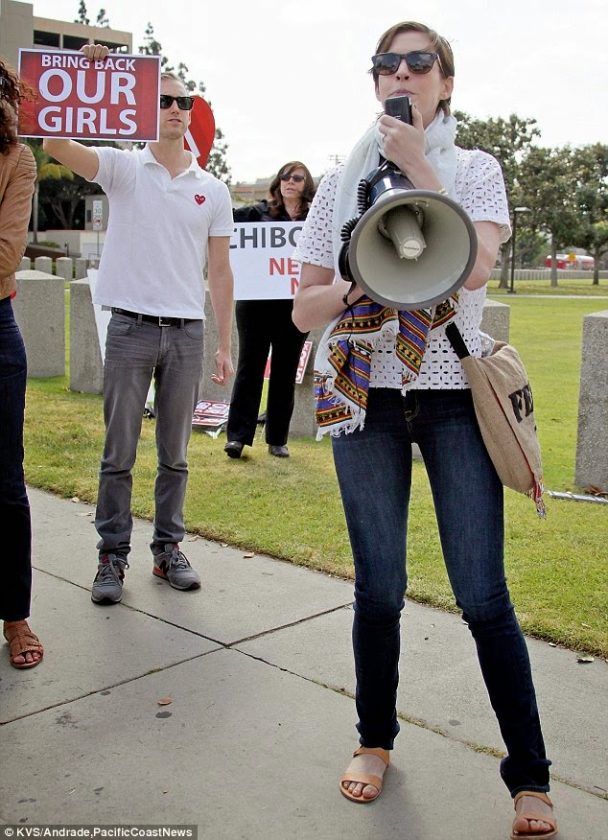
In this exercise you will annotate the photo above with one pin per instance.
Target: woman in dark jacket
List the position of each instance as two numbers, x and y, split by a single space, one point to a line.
266 324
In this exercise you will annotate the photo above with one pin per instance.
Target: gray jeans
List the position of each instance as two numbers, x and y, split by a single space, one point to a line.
135 352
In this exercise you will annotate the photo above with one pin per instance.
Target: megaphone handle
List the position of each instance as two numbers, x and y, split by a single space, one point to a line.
348 227
343 267
385 167
362 196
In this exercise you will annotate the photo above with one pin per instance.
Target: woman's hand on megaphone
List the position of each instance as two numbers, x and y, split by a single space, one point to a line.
403 143
404 146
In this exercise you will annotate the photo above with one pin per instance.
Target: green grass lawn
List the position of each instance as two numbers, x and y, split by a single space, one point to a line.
543 287
291 508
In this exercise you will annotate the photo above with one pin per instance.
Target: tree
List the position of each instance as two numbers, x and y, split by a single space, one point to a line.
591 200
47 169
82 14
531 245
102 18
62 198
508 141
547 185
217 164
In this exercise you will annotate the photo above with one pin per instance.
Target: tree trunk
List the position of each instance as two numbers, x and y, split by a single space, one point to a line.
58 210
596 267
35 203
505 250
553 262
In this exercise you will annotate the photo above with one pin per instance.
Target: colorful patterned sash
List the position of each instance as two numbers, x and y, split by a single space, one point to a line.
343 363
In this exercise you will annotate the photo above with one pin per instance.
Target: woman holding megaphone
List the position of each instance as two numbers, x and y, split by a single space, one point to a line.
386 377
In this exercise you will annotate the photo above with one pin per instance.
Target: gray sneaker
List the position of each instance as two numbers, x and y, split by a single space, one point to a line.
107 586
173 566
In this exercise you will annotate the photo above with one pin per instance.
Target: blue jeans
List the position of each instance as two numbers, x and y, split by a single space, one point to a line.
135 352
374 468
15 592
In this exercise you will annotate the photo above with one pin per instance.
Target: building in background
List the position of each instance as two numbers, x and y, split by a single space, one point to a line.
244 192
20 28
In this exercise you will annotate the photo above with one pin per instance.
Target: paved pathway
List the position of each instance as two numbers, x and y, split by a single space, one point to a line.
258 668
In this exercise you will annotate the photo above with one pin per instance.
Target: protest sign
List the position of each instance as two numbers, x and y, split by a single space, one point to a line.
114 98
302 363
261 254
210 414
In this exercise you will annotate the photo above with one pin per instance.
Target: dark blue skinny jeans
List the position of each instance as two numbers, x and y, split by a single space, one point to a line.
15 592
374 468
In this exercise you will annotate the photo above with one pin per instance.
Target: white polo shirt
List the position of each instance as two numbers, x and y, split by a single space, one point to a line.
155 249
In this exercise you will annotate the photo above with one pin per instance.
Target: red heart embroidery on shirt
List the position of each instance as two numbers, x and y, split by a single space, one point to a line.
200 199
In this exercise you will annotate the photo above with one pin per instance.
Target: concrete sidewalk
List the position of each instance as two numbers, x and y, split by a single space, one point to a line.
259 729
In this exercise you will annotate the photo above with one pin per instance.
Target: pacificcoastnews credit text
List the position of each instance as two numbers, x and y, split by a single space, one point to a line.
33 832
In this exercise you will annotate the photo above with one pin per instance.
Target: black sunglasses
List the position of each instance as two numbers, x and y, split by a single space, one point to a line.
184 103
295 178
419 62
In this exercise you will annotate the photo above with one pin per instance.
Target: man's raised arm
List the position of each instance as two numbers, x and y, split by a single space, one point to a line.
80 159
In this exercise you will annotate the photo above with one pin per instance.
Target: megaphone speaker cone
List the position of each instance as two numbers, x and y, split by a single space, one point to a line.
446 243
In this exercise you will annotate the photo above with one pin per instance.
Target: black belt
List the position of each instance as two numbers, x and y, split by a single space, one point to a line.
159 320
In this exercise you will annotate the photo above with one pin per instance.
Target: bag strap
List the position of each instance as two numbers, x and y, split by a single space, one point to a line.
456 340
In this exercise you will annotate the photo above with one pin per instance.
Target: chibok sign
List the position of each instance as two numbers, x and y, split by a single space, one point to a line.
261 254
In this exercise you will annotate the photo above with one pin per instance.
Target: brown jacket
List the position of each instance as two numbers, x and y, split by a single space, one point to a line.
17 179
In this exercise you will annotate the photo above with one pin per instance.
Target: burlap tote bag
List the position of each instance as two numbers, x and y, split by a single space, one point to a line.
505 412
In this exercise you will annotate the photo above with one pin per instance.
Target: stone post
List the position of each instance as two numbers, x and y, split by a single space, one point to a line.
26 264
592 439
44 264
40 312
496 320
64 267
82 263
86 367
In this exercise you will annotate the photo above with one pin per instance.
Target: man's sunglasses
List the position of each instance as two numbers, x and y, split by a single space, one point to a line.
419 62
297 179
184 103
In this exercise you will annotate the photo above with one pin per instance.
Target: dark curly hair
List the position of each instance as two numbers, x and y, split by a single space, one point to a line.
12 91
276 206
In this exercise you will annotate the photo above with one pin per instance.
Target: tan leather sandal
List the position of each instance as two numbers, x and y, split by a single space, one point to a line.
365 778
527 815
22 640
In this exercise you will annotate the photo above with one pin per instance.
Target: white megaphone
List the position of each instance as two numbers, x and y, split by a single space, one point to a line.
409 248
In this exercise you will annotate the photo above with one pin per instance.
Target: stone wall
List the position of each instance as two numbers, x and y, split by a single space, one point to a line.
40 312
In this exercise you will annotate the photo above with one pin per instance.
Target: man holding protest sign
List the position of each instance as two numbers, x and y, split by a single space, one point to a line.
168 217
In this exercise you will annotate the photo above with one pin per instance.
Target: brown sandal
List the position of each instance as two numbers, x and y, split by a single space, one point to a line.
526 815
365 778
22 640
